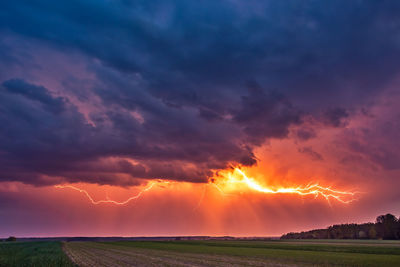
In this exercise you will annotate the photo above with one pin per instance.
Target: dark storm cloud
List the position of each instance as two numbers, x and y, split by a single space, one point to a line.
38 93
265 115
309 48
305 133
173 81
335 117
38 141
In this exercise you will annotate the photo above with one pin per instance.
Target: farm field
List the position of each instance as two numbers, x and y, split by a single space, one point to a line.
235 253
203 253
33 254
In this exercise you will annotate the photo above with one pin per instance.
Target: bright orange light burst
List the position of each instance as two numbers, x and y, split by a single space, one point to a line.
237 180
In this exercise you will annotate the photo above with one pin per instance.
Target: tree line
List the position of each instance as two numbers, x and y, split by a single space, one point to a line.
385 227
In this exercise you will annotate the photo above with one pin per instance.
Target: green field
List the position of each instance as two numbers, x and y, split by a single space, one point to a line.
33 254
204 253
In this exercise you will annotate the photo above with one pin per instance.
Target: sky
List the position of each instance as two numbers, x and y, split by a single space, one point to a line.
242 118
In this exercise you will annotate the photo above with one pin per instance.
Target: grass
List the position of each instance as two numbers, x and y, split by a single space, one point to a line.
350 254
351 247
296 252
33 254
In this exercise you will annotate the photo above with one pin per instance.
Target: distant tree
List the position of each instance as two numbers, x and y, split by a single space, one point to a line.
397 229
333 232
372 232
388 226
362 234
11 239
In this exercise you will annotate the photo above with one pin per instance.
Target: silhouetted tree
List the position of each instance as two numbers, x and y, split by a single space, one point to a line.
386 227
372 232
11 239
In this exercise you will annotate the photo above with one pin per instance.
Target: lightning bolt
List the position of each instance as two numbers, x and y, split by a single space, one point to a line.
237 176
108 200
235 180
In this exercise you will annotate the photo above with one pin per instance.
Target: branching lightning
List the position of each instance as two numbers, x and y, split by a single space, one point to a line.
233 181
108 200
236 179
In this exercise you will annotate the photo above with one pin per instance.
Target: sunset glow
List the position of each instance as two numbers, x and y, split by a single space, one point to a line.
237 180
242 118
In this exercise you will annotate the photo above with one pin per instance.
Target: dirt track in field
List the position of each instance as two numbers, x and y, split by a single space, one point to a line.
99 254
